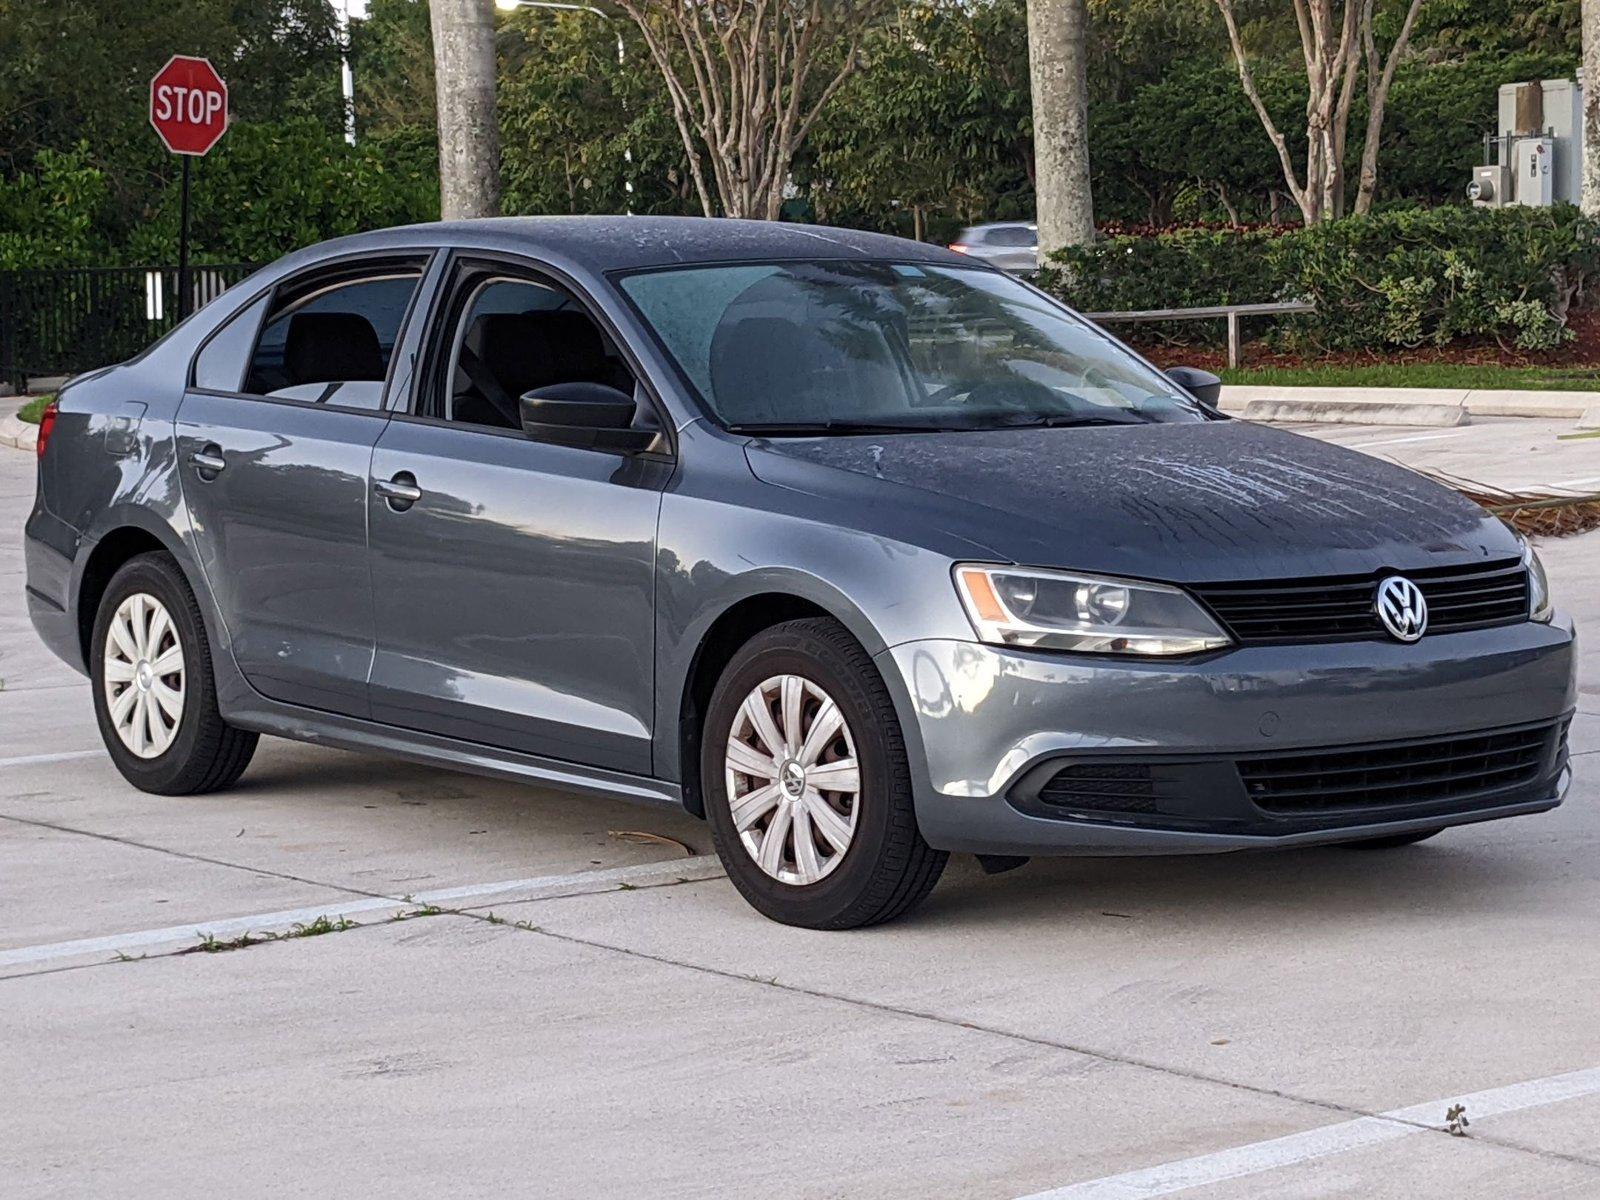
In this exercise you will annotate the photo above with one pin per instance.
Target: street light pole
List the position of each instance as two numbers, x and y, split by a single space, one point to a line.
622 57
347 79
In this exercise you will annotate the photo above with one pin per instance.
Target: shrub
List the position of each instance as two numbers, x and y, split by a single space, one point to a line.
1407 277
49 216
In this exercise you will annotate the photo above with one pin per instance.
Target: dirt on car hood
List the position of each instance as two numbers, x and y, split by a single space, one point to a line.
1213 501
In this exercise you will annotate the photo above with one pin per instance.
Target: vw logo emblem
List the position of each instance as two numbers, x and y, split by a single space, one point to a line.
793 777
1402 608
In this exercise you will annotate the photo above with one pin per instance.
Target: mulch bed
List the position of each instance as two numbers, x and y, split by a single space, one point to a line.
1583 351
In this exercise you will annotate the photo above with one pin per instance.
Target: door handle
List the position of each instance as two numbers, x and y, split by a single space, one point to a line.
401 492
209 461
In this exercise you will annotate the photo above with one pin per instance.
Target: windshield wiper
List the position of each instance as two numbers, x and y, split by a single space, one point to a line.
823 428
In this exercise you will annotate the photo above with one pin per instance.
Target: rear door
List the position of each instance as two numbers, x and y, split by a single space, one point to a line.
274 440
514 580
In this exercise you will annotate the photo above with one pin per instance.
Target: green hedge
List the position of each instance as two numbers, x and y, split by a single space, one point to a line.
1399 278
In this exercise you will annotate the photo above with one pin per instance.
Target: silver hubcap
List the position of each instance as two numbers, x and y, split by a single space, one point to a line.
144 675
793 781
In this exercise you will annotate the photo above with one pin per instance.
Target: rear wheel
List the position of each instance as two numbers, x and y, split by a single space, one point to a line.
807 787
154 693
1393 842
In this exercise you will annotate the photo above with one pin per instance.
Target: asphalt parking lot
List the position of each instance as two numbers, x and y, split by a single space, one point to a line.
525 1003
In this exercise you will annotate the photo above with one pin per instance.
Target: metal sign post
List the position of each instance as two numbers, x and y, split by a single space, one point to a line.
189 111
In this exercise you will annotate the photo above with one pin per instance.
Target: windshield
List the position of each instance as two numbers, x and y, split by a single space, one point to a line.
825 347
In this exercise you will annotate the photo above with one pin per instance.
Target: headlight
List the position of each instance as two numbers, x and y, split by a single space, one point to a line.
1539 606
1055 610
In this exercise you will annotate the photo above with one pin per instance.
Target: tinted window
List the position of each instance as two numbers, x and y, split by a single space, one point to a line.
220 364
836 343
514 336
1012 235
333 345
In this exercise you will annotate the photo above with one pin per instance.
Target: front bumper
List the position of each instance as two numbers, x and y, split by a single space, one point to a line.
986 726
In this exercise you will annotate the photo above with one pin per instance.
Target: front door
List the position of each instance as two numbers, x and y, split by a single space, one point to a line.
513 580
274 441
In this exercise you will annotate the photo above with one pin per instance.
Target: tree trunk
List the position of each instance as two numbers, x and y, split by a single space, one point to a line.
1058 57
1378 98
469 129
1591 107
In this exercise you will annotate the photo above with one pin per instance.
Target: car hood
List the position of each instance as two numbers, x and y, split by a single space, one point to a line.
1191 503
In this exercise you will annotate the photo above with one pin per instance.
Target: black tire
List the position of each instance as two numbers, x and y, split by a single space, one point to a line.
207 754
1393 842
887 868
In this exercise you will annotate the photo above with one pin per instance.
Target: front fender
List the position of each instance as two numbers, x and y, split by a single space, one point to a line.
715 554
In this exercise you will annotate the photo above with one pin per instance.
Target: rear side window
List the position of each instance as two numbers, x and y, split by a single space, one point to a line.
219 367
331 344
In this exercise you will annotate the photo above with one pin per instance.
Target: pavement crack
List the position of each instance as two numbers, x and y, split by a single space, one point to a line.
134 844
1346 1111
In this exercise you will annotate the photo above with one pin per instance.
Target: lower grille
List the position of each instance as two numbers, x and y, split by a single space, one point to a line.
1102 787
1395 776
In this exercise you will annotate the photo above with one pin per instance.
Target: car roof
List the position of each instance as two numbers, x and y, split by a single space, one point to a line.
618 243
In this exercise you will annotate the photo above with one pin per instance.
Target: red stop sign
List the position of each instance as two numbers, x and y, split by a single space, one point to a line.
188 105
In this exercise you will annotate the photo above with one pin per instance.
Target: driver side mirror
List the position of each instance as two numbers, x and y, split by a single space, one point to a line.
1202 385
588 416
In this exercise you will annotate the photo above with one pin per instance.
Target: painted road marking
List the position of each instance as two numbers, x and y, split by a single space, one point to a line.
545 887
1545 484
1242 1161
1422 437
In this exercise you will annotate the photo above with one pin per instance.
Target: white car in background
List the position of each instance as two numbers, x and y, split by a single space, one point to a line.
1009 245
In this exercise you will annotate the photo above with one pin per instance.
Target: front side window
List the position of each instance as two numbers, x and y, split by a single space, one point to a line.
513 336
332 344
831 346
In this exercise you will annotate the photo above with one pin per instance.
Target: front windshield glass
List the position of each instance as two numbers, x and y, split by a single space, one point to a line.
838 346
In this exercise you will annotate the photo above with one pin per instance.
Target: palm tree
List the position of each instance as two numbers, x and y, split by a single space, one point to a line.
469 131
1058 36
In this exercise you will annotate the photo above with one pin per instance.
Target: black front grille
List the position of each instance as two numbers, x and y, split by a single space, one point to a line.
1102 787
1341 607
1396 775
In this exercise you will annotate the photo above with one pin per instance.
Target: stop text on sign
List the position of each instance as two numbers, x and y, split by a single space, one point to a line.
195 105
188 105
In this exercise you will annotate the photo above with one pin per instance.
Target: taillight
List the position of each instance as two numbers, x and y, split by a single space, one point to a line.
960 247
47 425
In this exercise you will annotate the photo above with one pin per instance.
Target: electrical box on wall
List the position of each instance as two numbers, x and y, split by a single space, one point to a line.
1490 186
1534 169
1535 157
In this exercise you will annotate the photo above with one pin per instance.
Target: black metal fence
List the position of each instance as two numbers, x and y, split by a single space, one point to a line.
59 322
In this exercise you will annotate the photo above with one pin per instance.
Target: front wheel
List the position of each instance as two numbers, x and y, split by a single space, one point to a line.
807 786
154 694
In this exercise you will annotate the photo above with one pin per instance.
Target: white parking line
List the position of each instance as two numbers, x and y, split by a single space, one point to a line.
1421 437
29 760
1544 484
540 887
1242 1161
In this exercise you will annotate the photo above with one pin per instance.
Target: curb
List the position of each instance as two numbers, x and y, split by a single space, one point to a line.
1338 412
1477 403
17 433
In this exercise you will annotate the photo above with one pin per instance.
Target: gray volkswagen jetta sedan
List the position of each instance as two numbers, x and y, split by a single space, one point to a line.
862 551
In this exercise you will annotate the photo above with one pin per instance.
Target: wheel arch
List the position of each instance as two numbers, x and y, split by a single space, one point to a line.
764 601
122 534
